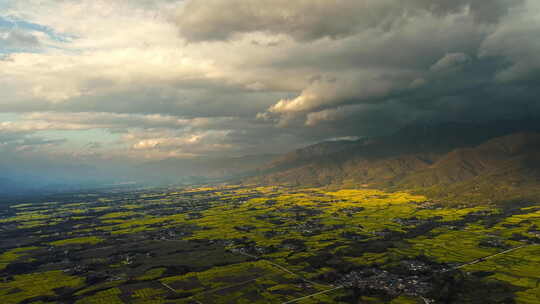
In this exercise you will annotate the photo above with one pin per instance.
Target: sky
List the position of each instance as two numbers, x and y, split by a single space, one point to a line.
97 82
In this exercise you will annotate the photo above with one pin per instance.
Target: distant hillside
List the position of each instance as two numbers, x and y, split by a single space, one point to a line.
454 162
502 169
310 154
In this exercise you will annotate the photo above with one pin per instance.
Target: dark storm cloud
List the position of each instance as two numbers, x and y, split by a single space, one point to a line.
314 19
451 63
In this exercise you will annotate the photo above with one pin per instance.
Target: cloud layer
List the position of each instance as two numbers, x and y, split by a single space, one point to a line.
306 20
157 79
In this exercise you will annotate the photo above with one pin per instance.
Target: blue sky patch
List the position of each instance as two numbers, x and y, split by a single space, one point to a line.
8 23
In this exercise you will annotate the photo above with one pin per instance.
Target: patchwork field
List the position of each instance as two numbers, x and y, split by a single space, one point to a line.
249 244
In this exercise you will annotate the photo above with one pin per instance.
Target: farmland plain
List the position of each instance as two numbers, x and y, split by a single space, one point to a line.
252 244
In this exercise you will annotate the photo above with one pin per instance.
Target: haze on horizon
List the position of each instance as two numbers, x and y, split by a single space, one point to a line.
92 87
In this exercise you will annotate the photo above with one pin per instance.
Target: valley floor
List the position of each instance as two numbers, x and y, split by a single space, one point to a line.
250 244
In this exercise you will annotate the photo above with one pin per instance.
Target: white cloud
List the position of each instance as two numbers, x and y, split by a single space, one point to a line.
167 143
450 61
59 77
315 118
323 93
48 121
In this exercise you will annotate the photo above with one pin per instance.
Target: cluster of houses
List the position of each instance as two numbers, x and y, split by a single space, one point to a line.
378 280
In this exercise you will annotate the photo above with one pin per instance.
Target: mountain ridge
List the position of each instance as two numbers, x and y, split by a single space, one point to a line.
433 162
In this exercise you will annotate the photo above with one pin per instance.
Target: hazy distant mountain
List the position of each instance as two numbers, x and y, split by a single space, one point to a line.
18 179
23 184
451 161
207 168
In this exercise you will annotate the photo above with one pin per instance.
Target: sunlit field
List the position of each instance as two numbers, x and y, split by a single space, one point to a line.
249 244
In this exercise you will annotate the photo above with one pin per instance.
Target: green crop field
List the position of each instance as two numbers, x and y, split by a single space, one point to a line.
252 244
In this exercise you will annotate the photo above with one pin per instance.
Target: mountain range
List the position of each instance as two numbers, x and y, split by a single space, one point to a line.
453 162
